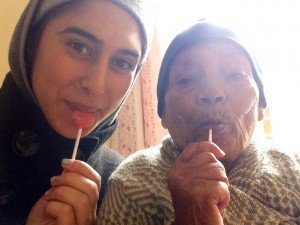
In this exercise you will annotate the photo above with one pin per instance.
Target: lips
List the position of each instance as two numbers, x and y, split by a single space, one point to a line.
214 124
82 108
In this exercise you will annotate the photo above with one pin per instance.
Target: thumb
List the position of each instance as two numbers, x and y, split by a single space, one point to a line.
36 215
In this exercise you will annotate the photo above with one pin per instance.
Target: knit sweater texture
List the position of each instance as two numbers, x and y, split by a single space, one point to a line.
264 188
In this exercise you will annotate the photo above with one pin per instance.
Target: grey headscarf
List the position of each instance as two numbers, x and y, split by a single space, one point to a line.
202 31
36 10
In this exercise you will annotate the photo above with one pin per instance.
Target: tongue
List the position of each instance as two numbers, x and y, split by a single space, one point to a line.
83 119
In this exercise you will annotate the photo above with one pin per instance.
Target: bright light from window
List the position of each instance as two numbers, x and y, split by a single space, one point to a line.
272 28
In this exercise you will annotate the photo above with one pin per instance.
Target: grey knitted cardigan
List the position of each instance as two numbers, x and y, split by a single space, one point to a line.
264 188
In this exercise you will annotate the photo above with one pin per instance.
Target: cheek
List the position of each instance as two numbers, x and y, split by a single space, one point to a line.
48 80
177 113
245 100
247 115
179 103
49 71
117 89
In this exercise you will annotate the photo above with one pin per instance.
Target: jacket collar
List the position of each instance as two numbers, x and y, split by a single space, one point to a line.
23 115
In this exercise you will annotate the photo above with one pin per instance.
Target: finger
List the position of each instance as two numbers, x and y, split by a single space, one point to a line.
202 202
209 216
82 168
214 193
63 213
209 171
84 211
202 159
79 183
202 167
216 198
195 149
223 196
37 214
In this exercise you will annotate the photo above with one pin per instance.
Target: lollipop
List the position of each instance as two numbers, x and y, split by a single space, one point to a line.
81 120
210 132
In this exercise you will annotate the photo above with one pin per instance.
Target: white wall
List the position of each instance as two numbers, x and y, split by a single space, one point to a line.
272 29
10 11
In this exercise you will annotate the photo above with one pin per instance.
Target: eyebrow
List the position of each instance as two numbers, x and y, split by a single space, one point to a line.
91 37
80 32
130 53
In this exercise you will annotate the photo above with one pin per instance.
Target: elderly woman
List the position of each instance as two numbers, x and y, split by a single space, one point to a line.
68 59
209 171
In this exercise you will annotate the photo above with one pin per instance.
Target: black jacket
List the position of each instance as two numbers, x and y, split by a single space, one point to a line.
31 153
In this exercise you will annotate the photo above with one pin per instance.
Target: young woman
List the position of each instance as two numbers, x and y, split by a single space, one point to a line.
67 58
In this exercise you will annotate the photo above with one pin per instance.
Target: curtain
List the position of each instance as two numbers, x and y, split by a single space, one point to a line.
139 125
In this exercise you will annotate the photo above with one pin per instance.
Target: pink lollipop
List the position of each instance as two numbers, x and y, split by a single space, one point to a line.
81 120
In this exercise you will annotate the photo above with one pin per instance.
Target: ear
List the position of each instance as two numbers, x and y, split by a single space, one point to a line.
261 113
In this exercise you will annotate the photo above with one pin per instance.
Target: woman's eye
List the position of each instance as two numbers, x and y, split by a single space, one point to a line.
184 81
80 48
235 75
121 63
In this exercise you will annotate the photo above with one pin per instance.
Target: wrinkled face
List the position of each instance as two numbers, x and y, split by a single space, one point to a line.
211 85
86 61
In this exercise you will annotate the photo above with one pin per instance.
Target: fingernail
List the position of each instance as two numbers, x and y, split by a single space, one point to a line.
53 178
47 192
46 195
66 161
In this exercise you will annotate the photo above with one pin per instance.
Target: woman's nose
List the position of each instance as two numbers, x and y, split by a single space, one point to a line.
95 80
211 95
212 101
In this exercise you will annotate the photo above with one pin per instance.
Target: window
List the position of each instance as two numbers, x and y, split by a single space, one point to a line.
272 28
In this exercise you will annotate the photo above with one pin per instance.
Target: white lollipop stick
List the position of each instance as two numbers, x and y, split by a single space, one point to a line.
210 134
76 144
